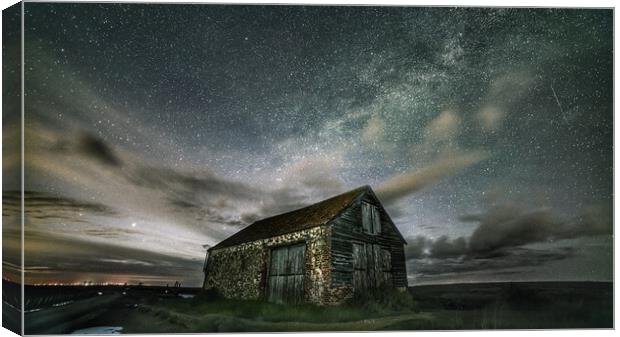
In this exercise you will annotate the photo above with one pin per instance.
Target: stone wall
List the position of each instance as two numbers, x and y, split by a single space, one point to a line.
241 271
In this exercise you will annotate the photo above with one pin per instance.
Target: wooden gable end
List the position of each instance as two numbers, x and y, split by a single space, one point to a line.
386 220
349 235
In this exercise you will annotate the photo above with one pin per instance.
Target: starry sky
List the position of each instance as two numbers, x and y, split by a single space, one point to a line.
155 131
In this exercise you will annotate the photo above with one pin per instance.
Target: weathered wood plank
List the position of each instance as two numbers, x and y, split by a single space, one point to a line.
286 277
384 261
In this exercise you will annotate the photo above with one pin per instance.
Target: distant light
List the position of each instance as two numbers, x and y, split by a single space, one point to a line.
133 224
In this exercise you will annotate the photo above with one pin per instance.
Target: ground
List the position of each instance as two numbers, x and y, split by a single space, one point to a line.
539 305
516 305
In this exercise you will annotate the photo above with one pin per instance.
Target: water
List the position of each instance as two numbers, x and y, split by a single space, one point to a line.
61 303
186 295
32 310
99 330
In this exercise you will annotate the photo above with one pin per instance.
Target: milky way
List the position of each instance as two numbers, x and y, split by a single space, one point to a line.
152 130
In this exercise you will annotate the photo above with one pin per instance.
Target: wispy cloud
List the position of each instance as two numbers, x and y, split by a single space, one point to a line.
403 185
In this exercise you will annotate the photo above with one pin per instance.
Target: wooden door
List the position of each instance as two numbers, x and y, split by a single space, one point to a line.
386 267
360 267
372 266
286 274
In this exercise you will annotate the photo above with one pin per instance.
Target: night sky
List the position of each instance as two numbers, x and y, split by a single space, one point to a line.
153 130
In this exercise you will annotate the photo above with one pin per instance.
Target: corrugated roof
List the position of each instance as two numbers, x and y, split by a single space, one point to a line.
303 218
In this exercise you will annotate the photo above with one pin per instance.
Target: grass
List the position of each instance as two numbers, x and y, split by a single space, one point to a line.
208 312
269 312
541 305
172 315
441 307
301 318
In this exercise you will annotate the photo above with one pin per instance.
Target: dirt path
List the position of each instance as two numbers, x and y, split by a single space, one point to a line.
60 319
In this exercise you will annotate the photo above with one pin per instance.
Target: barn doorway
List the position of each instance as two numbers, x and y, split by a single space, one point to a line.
372 266
286 274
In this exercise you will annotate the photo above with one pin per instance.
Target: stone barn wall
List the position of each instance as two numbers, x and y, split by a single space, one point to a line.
241 271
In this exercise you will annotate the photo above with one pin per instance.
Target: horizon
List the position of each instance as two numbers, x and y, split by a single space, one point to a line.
79 284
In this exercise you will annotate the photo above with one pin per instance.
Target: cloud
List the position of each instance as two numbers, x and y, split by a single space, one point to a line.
97 148
45 205
509 226
440 139
504 91
417 247
97 193
444 247
106 190
513 263
403 185
506 226
592 220
504 238
50 252
440 147
374 131
109 232
178 182
301 183
491 116
318 173
443 129
124 181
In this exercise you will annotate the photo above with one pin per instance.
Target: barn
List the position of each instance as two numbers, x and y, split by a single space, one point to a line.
318 254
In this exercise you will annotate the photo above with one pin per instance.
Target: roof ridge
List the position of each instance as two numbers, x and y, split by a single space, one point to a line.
313 204
310 220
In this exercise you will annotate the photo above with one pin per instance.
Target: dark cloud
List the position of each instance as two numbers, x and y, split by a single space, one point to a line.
77 142
501 239
417 247
444 247
593 220
250 217
177 182
511 261
506 226
97 148
56 254
109 232
208 214
44 205
510 226
197 195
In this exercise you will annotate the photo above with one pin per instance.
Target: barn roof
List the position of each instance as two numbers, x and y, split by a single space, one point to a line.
303 218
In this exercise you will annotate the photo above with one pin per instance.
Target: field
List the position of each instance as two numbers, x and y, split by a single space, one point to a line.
518 305
536 305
